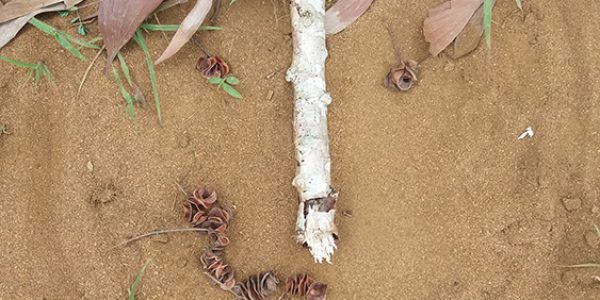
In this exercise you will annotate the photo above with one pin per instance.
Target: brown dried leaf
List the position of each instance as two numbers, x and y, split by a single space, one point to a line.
343 13
186 30
8 30
446 21
19 8
118 21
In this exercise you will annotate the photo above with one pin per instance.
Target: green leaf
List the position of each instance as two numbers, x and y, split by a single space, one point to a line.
67 45
42 26
137 281
125 69
139 39
232 80
215 80
231 91
82 30
487 21
81 42
63 13
232 2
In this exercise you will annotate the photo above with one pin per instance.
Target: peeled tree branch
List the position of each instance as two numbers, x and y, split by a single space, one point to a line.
315 227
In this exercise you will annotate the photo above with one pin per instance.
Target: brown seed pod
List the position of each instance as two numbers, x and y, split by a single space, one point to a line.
402 77
257 287
305 286
212 66
201 200
217 270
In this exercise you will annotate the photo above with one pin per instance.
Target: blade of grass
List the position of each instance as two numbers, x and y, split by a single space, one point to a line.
125 95
125 68
137 281
17 63
597 230
127 74
139 39
67 45
173 27
487 21
519 4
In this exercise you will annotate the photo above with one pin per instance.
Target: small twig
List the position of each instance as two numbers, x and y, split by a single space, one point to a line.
87 71
270 75
394 42
216 10
163 33
153 233
181 189
197 43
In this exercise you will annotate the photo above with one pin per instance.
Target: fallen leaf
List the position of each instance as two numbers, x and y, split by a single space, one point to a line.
8 30
446 21
186 30
20 8
343 13
118 21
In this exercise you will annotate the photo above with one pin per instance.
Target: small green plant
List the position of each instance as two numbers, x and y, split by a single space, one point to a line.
3 129
38 69
139 39
63 38
137 281
82 30
227 84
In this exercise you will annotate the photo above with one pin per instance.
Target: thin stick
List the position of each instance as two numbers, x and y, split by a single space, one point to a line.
394 42
153 233
163 33
88 70
197 43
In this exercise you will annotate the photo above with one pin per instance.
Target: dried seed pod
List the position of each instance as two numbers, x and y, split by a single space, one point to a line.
402 77
212 66
305 286
200 200
217 269
218 241
256 287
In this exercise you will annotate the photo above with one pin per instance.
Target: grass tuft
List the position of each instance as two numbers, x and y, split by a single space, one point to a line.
38 69
139 39
137 281
63 38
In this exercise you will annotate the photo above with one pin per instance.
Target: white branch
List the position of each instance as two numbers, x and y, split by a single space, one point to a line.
315 226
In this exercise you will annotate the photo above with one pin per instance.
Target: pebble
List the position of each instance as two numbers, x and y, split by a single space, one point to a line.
571 204
90 166
270 95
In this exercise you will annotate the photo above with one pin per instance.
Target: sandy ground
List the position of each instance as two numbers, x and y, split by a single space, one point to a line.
446 202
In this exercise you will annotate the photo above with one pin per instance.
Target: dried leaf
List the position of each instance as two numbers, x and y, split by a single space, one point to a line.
8 30
446 21
343 13
118 21
186 30
470 36
20 8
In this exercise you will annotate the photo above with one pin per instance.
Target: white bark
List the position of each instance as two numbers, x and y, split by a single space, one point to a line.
315 225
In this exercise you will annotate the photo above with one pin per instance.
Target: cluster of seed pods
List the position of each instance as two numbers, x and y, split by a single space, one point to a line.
203 211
